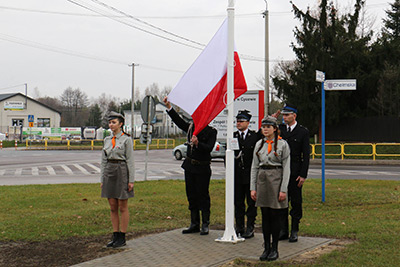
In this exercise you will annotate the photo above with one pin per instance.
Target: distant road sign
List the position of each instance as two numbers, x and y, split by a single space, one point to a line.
31 118
30 124
333 85
148 100
319 76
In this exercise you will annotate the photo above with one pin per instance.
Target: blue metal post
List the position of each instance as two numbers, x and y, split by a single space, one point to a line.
323 140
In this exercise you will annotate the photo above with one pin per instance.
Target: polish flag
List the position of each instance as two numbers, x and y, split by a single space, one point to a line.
202 91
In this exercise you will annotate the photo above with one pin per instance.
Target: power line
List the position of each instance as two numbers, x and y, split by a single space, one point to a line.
133 26
18 85
45 47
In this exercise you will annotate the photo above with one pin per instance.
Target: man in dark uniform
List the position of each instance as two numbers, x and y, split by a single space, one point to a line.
243 159
297 137
197 171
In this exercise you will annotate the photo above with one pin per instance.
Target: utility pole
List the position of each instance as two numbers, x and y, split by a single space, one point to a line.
133 102
266 74
26 96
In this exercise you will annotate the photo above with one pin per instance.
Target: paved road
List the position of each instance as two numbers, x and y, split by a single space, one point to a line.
55 167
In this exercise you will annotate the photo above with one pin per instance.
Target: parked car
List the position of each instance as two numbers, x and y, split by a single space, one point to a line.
218 151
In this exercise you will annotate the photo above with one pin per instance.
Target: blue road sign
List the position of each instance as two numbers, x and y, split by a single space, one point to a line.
30 118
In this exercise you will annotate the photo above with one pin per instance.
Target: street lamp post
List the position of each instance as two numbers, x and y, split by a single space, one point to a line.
266 74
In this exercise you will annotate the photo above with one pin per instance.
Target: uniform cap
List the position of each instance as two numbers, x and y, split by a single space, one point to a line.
288 109
114 115
243 115
269 120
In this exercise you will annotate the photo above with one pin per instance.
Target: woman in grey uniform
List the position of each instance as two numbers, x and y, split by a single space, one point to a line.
117 177
270 172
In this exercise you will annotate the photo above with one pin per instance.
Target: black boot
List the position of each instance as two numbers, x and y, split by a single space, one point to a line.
267 250
205 218
114 239
120 241
284 232
249 229
273 254
240 226
194 223
293 233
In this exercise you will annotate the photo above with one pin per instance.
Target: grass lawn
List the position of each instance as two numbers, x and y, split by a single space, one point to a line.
365 211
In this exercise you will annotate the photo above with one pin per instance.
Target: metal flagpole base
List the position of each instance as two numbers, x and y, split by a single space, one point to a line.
230 237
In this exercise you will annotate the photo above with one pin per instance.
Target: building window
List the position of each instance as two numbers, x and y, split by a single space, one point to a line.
43 122
17 122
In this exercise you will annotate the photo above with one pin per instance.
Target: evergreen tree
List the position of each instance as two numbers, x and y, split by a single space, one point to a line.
387 57
95 117
328 42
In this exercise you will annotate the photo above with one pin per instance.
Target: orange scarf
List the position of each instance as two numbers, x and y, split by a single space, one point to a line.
113 140
270 142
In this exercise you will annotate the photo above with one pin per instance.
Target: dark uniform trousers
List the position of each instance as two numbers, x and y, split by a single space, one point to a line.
299 144
243 161
197 164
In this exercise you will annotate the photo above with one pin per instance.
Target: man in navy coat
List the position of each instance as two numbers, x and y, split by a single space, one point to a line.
243 159
297 137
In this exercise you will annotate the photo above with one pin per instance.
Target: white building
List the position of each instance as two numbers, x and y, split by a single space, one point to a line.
18 110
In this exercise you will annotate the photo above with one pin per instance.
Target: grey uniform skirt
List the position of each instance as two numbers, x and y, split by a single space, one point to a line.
115 182
268 188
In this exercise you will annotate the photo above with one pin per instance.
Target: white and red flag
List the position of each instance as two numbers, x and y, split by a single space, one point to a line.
202 90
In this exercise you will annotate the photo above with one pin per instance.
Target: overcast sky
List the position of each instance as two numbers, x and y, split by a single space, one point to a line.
37 36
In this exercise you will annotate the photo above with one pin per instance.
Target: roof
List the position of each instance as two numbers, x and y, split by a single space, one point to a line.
7 96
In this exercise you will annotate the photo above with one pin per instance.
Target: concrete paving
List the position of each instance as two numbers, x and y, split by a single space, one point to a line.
172 248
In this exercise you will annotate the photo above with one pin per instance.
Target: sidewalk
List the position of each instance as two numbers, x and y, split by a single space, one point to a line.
172 248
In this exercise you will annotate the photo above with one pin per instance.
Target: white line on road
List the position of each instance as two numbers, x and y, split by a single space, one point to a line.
67 169
2 172
18 171
93 167
50 170
81 169
35 171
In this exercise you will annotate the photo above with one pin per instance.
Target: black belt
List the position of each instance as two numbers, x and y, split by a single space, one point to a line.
198 162
115 160
267 167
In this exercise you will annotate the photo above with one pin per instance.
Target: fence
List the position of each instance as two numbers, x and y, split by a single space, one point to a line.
343 150
93 144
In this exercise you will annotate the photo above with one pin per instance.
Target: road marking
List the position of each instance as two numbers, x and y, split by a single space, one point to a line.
2 172
35 171
18 171
79 167
93 167
50 170
67 169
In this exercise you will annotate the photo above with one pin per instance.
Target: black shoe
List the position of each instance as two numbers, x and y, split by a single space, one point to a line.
283 235
265 254
114 239
273 254
194 223
120 241
193 228
239 232
204 229
249 232
205 218
293 237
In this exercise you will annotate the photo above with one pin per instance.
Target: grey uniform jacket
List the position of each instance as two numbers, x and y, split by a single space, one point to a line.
123 150
270 159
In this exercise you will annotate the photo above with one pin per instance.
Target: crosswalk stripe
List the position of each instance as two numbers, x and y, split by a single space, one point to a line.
50 170
35 171
67 169
2 172
18 171
93 167
79 167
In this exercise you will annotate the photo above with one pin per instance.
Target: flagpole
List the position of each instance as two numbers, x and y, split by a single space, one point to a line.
230 233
